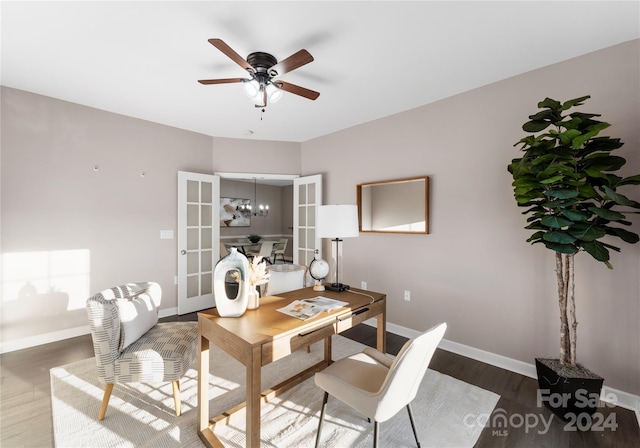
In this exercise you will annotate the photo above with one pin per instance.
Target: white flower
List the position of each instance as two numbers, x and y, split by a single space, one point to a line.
258 274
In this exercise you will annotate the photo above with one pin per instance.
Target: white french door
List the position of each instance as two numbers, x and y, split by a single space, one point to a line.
307 196
198 239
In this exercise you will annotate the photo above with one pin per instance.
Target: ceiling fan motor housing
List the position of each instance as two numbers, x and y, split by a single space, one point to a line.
262 62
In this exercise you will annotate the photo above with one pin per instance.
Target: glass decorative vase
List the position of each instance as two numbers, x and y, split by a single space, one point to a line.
235 265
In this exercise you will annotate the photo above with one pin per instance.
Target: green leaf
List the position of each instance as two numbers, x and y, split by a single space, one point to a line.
551 180
535 125
624 235
603 144
574 102
536 236
609 246
604 162
558 237
561 248
631 180
587 231
604 213
593 131
550 104
575 215
596 250
619 199
555 222
543 115
594 172
567 136
562 194
587 191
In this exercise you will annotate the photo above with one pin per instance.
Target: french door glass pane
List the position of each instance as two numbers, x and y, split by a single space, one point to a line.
206 261
206 284
192 191
193 239
207 193
192 286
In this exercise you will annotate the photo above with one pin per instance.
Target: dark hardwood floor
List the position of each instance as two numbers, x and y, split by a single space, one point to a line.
25 404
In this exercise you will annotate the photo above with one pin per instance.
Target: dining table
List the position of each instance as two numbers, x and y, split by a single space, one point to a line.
243 246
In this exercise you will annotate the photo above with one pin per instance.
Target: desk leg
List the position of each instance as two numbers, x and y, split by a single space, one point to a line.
382 332
327 350
254 393
203 383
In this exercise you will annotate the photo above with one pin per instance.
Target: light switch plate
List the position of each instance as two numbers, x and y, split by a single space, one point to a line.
166 234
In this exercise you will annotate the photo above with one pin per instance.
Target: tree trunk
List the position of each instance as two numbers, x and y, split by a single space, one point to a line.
565 348
571 299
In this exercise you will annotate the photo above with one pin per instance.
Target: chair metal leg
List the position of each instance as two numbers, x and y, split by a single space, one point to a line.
108 388
324 405
375 434
176 396
413 425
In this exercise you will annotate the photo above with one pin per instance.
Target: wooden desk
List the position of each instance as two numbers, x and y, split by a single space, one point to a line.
262 336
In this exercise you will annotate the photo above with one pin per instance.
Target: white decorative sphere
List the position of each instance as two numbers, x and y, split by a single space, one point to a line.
318 269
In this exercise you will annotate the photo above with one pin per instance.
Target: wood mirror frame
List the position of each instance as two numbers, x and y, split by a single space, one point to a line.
394 206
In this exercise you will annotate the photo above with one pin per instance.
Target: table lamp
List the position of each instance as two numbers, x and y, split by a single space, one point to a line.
337 222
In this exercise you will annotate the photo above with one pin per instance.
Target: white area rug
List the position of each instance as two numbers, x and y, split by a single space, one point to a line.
141 415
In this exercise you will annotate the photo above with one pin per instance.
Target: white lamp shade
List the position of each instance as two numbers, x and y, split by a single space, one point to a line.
337 221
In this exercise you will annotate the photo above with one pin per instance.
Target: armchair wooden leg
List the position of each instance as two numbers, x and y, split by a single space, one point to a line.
176 396
105 400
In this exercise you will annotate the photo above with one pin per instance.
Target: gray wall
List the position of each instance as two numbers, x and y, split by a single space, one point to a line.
475 270
69 231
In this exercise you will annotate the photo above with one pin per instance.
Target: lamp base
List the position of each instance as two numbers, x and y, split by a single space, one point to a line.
338 287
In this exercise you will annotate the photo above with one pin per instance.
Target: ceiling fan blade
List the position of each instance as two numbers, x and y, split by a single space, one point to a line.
220 81
294 61
231 54
297 90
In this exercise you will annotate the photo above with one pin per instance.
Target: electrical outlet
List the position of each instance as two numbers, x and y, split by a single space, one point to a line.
175 279
363 285
407 296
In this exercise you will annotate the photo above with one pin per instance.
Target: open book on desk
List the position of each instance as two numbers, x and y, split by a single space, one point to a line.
308 308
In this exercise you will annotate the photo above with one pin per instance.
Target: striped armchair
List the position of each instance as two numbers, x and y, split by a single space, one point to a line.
131 346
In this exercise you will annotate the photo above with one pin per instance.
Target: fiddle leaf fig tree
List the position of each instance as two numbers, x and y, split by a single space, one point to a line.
566 181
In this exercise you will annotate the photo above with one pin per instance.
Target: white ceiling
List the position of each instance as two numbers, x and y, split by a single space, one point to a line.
372 59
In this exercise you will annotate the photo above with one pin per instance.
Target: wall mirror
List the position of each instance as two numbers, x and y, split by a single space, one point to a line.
394 206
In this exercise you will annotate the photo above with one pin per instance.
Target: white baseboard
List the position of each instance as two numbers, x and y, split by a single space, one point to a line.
609 394
41 339
168 312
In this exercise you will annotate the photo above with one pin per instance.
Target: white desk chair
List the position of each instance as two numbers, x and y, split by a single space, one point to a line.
377 385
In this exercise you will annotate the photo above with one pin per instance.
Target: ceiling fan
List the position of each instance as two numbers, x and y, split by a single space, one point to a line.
263 68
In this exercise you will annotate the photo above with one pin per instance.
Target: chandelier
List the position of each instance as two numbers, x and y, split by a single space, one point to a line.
261 210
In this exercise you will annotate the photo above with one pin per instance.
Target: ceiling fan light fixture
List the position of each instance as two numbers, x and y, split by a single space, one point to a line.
251 88
274 93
